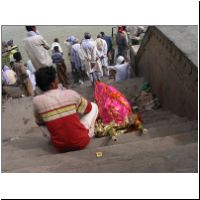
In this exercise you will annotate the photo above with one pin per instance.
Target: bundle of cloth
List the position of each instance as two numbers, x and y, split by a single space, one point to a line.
115 113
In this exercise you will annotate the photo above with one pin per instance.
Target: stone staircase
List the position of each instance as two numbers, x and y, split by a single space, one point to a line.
171 144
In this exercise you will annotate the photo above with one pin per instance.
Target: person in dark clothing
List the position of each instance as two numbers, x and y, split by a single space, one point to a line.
22 74
122 43
109 44
58 60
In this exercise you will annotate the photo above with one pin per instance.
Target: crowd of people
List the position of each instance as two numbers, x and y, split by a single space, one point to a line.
56 106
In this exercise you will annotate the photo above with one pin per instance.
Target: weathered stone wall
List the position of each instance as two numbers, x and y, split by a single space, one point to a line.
173 77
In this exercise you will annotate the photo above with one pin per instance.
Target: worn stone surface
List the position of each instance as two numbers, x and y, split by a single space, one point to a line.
185 38
169 146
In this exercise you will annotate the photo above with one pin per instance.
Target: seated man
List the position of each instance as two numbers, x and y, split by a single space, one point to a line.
58 108
8 76
121 69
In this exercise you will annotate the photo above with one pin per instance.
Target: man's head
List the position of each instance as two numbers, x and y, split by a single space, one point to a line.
56 49
124 28
56 40
87 35
11 64
31 28
46 78
120 60
120 30
5 68
99 36
70 39
17 56
102 33
75 41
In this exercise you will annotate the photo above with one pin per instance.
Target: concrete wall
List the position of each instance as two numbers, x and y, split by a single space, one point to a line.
173 77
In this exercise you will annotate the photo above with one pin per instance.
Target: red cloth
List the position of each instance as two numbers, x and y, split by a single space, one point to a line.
68 133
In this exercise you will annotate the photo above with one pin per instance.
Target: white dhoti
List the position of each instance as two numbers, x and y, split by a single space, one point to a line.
88 120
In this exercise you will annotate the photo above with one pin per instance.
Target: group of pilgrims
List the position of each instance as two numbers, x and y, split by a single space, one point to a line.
89 58
65 116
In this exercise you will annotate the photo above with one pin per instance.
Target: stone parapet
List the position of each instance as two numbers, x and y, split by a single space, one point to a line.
170 71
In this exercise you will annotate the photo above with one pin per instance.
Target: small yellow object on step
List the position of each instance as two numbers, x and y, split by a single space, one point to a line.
145 131
99 154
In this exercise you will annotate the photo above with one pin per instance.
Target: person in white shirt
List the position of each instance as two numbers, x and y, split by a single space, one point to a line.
102 50
122 69
76 58
56 44
32 79
89 49
30 66
37 48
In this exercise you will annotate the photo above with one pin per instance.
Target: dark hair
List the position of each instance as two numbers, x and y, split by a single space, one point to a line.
99 36
56 40
30 28
17 56
44 77
124 28
102 33
87 35
56 48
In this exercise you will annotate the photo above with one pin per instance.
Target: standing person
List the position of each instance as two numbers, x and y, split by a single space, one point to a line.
30 66
134 34
76 58
32 79
58 60
57 109
102 50
124 29
122 43
56 43
109 45
37 48
31 73
122 69
89 50
69 43
22 74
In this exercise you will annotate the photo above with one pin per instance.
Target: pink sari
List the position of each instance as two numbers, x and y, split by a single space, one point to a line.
112 105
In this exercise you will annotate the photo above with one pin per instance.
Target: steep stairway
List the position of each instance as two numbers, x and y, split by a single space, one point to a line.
171 144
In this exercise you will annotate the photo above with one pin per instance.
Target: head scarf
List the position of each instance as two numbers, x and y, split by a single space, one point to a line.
120 59
71 39
99 44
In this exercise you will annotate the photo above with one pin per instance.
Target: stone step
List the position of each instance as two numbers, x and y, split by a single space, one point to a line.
150 113
172 120
10 152
157 114
39 145
33 141
19 111
128 87
178 158
181 127
168 129
14 92
88 155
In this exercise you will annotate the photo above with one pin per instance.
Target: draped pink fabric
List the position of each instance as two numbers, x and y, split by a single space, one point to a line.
112 105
